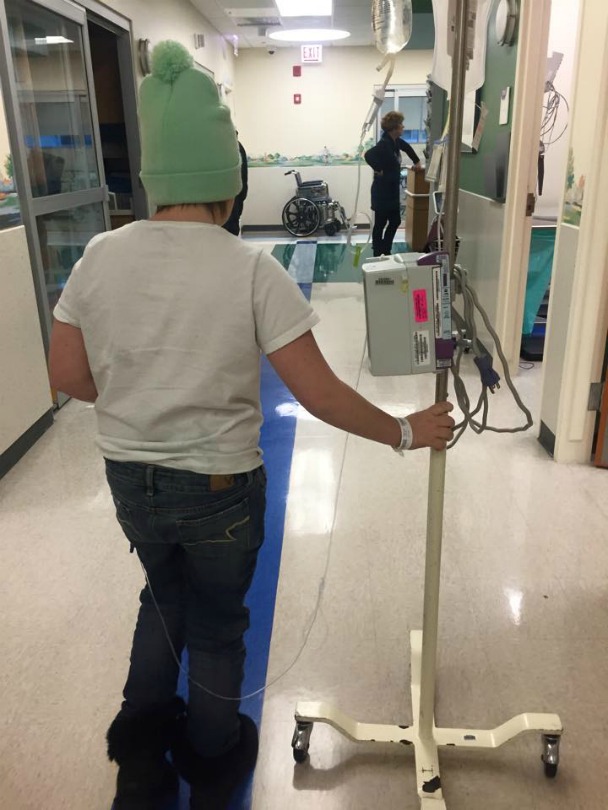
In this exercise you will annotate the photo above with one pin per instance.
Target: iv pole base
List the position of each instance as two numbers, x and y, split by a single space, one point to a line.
426 751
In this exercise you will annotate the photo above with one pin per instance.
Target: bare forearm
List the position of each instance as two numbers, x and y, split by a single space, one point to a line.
305 372
69 369
84 390
347 410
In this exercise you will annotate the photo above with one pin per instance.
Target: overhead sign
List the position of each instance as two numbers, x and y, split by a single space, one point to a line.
312 54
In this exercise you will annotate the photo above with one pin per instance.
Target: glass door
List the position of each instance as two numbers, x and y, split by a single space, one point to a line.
59 162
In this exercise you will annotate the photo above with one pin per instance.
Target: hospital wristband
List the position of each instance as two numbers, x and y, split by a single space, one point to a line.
407 435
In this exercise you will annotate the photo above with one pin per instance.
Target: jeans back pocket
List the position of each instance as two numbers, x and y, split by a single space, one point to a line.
228 528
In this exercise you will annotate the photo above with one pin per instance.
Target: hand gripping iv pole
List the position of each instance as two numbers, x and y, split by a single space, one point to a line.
424 735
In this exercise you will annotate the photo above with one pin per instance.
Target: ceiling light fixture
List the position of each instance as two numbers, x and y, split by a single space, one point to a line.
52 40
308 35
305 8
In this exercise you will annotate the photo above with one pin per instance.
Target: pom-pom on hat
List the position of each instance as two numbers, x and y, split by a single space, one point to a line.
190 151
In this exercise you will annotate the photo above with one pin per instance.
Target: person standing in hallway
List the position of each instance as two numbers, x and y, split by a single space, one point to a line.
162 324
385 159
233 224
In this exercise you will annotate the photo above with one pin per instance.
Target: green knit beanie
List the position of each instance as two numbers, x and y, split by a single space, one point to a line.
190 151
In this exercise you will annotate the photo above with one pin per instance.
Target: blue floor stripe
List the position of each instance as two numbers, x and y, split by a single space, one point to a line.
277 439
302 264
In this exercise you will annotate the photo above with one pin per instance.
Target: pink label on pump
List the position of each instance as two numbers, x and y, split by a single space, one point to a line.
421 309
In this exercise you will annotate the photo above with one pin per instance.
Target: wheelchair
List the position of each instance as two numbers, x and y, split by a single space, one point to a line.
312 207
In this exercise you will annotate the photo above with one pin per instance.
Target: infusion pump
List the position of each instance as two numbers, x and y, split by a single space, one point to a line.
408 307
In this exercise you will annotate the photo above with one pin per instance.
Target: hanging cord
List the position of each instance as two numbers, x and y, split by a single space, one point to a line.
550 117
489 378
308 627
307 631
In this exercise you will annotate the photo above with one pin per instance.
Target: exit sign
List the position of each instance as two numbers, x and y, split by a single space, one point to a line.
312 54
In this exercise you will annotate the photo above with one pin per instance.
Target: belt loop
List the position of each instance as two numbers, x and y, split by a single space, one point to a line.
149 481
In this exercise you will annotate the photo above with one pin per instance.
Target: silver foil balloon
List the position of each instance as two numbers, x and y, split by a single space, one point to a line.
392 24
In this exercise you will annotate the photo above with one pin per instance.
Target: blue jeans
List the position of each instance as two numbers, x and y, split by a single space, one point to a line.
198 538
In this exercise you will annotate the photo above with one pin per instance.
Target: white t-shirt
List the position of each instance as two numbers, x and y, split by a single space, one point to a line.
174 316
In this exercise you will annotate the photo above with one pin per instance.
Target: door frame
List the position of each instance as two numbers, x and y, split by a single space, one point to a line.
588 322
32 208
533 43
121 28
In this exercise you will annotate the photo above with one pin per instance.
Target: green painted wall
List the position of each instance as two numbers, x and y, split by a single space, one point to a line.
501 61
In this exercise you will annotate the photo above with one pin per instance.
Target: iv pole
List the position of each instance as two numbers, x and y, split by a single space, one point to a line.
424 735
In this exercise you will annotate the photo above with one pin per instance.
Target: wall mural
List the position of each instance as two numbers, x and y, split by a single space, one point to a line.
575 194
324 158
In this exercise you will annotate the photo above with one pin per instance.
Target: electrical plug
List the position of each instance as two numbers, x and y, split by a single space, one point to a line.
489 376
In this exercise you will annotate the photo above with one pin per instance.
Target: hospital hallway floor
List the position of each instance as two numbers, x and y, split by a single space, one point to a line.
523 611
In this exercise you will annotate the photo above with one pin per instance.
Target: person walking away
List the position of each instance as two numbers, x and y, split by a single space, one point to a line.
162 324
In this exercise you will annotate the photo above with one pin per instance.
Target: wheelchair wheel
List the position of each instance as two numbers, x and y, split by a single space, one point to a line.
301 216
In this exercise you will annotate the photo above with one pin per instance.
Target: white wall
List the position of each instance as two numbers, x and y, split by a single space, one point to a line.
25 394
579 292
561 299
562 38
336 97
157 20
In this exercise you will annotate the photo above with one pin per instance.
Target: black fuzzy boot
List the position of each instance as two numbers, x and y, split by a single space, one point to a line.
213 780
138 744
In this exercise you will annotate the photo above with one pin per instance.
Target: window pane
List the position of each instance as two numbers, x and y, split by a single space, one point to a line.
10 214
387 106
413 108
53 98
63 236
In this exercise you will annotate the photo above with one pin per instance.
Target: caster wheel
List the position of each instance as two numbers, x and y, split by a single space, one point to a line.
331 229
550 755
301 741
300 756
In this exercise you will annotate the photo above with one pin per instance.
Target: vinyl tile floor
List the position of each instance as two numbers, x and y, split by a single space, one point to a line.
523 614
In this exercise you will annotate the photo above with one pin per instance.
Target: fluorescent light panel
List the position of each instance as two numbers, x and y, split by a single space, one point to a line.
52 40
305 8
309 35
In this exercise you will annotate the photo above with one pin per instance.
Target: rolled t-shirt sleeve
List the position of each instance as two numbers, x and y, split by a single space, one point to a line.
282 313
68 309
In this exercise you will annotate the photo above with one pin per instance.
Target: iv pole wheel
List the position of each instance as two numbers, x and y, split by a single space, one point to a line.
301 741
550 755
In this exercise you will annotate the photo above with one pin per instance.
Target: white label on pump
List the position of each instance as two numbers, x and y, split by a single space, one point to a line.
442 304
437 301
421 348
444 298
